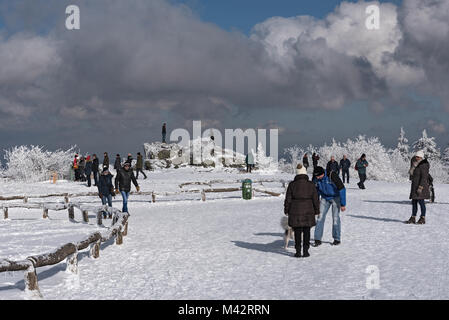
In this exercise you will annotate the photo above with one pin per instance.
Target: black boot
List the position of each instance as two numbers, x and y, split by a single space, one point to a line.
336 243
412 220
306 253
317 243
422 220
298 254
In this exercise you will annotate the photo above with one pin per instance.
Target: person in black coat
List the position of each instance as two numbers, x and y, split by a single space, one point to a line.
95 165
420 188
301 205
332 166
106 190
117 163
315 159
123 183
88 170
305 161
345 164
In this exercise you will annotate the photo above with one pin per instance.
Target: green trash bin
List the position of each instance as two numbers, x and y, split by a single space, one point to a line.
247 189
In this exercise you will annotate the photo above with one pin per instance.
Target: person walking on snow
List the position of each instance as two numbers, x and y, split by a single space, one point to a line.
332 165
106 190
249 161
123 183
117 163
333 194
139 166
345 164
95 165
420 188
315 159
301 205
88 171
305 161
360 166
106 160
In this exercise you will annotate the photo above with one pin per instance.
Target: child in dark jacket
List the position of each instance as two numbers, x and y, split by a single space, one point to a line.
106 190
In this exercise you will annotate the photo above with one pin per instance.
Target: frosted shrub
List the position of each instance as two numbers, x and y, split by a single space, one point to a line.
265 164
35 164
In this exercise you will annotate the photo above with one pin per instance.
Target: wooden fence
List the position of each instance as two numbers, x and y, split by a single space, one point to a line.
68 251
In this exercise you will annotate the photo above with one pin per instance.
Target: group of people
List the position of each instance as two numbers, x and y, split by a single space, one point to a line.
305 200
87 167
343 166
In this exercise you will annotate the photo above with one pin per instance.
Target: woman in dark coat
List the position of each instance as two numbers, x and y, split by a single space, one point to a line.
301 205
420 189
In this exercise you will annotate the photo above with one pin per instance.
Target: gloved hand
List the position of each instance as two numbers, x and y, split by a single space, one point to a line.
138 189
420 189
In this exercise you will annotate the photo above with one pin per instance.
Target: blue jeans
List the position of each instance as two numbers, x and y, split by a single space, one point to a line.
422 204
336 225
106 199
125 196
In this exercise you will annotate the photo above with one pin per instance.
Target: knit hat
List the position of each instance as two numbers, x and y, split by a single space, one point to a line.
300 169
105 168
420 154
318 171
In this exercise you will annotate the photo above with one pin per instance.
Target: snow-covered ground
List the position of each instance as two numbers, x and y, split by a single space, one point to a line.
229 248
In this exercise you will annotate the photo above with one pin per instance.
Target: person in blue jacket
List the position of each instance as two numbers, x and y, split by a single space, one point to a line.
332 193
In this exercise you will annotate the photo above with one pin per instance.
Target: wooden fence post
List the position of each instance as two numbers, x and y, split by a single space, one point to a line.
99 218
31 284
86 216
45 214
66 199
119 239
72 263
25 199
125 229
153 197
203 195
71 213
5 212
95 250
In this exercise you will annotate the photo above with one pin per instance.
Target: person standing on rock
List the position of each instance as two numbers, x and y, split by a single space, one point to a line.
106 190
301 205
139 166
333 194
420 188
123 183
164 132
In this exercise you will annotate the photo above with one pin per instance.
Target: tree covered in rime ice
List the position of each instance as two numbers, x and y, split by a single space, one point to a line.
428 145
264 163
403 147
36 164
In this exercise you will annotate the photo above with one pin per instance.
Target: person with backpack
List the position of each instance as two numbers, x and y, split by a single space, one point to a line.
95 165
345 164
139 166
333 194
301 205
360 167
106 190
123 183
420 188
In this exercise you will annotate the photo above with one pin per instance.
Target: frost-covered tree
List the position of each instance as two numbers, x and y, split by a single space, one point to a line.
403 146
264 163
294 156
445 156
335 149
428 145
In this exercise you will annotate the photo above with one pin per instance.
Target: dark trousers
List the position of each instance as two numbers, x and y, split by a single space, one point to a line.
422 204
95 177
89 183
300 240
362 177
249 167
137 173
345 173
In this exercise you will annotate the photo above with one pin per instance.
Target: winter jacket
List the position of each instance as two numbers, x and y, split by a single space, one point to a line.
139 163
123 180
333 166
106 161
117 163
420 181
105 186
315 160
95 165
75 163
361 166
88 168
249 158
331 187
301 202
164 129
305 162
345 164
